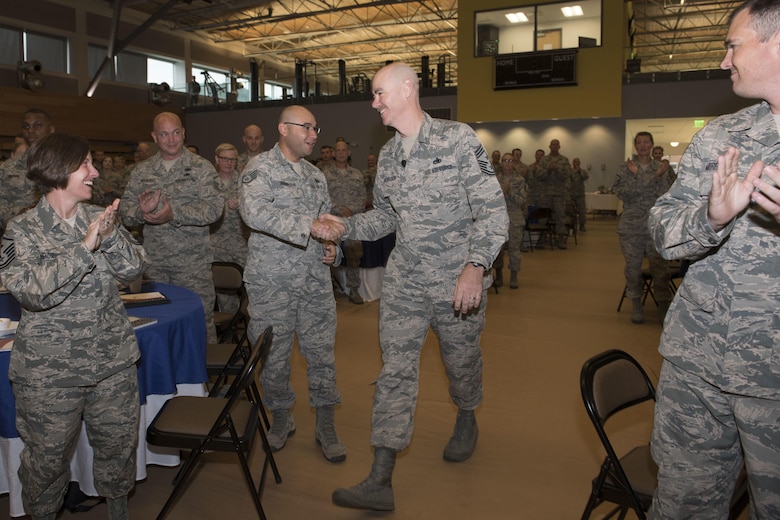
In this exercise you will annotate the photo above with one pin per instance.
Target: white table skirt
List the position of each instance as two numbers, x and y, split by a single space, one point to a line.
371 283
81 460
603 202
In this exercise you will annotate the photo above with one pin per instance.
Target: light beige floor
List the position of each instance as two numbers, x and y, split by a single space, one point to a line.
537 450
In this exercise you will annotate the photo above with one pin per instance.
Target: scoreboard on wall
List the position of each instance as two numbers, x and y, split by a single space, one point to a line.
535 69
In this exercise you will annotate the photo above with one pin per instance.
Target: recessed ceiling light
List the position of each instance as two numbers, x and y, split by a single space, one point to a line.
574 10
674 144
516 17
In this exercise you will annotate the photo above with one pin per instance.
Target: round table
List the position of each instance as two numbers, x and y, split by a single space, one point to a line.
173 362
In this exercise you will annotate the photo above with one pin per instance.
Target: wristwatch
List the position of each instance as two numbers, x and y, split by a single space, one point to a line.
477 264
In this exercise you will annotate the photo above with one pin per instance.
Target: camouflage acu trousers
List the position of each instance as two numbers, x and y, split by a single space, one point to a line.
513 246
308 310
353 252
49 423
698 441
405 315
635 247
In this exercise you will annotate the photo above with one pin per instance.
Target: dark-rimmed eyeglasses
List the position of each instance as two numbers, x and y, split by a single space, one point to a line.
308 126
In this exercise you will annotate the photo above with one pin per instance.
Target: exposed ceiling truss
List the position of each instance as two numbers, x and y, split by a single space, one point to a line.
669 35
364 33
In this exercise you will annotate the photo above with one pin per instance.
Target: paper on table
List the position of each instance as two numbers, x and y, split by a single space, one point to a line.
144 298
9 330
138 322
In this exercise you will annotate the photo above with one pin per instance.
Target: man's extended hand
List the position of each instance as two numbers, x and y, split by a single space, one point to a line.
331 250
328 227
730 194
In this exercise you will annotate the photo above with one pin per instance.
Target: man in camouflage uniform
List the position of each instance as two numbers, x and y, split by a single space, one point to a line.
229 234
554 181
638 184
253 141
658 155
347 197
578 178
436 187
534 179
495 160
287 278
143 151
718 397
175 195
520 166
369 175
17 192
516 196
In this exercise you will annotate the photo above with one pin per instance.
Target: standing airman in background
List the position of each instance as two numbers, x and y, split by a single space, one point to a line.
17 192
253 142
348 197
555 185
578 178
175 195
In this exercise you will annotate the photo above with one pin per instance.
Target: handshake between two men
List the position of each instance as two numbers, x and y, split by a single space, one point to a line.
328 227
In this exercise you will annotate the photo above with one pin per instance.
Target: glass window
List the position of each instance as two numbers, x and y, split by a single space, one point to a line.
274 91
564 25
214 84
95 57
244 93
10 46
159 71
131 68
51 51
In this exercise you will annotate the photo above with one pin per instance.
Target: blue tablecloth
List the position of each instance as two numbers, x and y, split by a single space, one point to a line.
173 350
376 253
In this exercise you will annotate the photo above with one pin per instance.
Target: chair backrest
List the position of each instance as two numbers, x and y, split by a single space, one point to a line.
259 352
538 215
228 276
612 381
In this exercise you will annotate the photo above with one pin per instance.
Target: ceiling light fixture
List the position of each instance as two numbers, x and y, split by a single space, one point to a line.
674 144
516 17
574 10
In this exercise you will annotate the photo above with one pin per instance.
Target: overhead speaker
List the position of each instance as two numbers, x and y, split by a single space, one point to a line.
30 75
633 65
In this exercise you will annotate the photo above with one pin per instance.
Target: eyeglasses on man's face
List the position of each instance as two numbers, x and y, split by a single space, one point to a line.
227 159
507 160
308 126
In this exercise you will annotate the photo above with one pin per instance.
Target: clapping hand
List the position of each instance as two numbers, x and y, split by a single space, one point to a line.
155 207
148 201
767 194
328 227
102 227
730 194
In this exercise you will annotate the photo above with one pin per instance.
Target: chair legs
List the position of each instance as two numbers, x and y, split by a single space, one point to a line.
647 289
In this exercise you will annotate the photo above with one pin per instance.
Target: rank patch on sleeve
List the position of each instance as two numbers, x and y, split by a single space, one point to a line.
7 252
484 161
